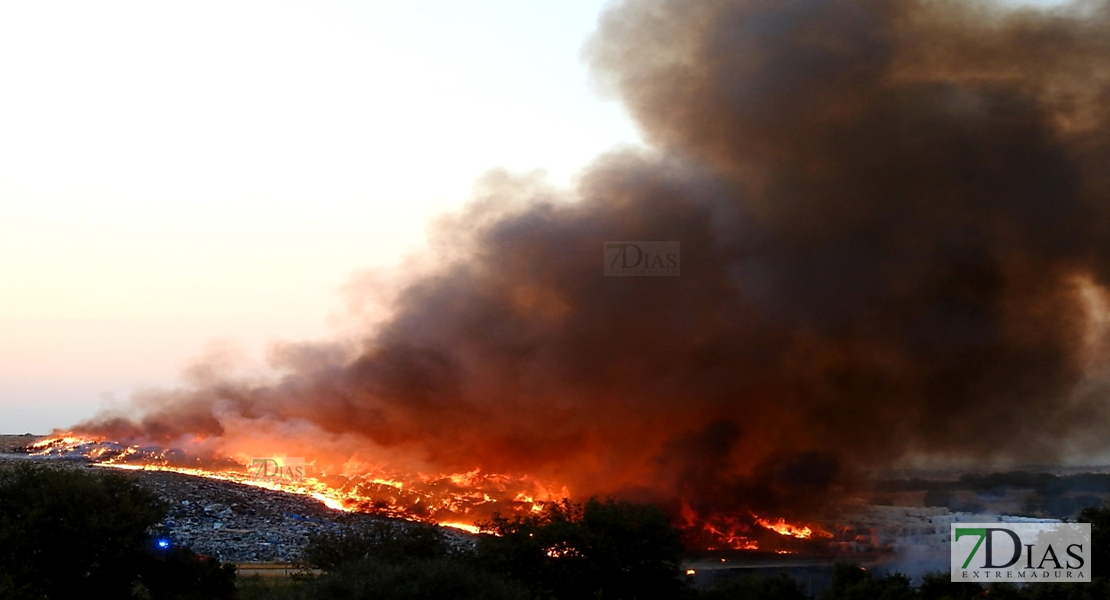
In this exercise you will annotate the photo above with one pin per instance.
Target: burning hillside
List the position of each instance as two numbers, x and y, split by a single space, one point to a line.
893 217
451 499
460 501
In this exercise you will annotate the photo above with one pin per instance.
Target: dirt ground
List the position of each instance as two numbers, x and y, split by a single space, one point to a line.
8 443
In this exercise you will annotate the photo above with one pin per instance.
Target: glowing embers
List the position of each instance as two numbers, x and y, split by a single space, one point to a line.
561 550
744 530
729 538
781 527
452 499
716 532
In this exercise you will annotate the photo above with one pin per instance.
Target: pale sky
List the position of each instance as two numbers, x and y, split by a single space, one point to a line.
178 176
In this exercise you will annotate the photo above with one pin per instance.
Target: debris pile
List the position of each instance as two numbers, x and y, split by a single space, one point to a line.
233 522
239 523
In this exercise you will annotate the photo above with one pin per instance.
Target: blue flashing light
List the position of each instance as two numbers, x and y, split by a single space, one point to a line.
163 543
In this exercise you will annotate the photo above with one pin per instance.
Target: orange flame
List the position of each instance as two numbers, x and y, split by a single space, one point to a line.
446 499
781 527
455 500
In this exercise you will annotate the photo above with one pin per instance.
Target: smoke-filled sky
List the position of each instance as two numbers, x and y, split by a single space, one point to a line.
181 175
893 217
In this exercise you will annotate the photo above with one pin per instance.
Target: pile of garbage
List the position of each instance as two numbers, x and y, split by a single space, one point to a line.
239 523
235 522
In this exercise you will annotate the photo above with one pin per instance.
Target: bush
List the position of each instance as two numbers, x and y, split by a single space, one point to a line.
782 587
68 533
72 534
371 579
850 582
383 541
608 549
181 574
387 560
939 586
1099 518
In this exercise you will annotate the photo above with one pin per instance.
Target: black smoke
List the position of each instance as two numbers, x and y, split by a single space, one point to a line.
893 218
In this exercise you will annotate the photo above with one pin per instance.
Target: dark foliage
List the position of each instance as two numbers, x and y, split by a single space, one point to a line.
181 574
67 533
782 587
72 534
939 586
415 579
394 561
1099 518
613 550
851 582
387 542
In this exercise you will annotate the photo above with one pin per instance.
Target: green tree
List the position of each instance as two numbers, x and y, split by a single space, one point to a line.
851 582
1099 518
385 541
72 534
68 533
388 560
939 586
181 574
613 550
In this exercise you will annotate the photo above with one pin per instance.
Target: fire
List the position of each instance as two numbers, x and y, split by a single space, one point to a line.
781 527
562 550
452 500
730 539
463 526
742 530
59 441
310 487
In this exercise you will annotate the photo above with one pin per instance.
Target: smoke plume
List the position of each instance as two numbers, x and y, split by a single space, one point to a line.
894 219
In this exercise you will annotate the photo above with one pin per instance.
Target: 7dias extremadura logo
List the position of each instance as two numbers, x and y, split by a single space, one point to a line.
1026 552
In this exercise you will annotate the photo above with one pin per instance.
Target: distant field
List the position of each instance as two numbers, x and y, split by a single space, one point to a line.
9 443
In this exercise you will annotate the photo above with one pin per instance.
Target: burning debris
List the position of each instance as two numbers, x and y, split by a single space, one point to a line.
376 497
893 220
434 499
218 516
220 519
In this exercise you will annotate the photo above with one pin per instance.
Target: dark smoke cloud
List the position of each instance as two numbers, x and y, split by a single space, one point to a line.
893 217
